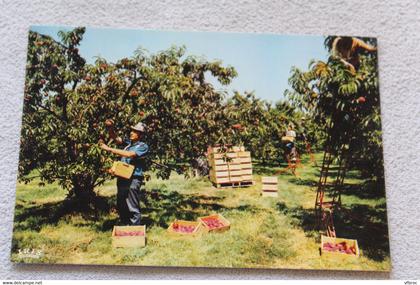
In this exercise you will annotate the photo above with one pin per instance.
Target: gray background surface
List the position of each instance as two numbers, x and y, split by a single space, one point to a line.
396 24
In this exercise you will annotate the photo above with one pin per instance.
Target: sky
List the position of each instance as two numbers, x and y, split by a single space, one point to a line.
263 61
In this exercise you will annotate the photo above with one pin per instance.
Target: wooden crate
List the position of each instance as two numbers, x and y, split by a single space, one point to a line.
244 160
237 173
122 169
238 148
247 177
350 243
244 154
269 194
128 241
229 149
219 162
236 184
225 156
269 186
236 162
246 171
217 155
198 228
219 174
235 179
220 167
232 155
269 180
218 217
221 180
246 165
233 167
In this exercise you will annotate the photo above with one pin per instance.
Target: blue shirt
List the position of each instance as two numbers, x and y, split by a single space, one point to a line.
141 149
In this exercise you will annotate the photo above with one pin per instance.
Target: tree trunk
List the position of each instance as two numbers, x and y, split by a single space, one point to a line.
85 194
85 197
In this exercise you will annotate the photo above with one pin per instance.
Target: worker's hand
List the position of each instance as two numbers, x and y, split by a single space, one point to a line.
350 67
109 123
110 171
118 140
104 146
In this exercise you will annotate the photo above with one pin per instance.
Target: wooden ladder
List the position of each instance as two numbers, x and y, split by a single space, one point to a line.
309 151
324 210
322 182
327 222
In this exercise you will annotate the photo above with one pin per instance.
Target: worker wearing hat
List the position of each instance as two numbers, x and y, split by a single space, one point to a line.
128 195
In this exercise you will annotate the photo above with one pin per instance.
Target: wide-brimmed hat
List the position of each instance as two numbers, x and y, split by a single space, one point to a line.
140 127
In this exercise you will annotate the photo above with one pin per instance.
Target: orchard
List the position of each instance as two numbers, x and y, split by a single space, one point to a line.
346 106
69 105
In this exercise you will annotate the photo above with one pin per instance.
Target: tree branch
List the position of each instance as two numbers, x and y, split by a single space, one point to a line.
99 182
127 92
49 111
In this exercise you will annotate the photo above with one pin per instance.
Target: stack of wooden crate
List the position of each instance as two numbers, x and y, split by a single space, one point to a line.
269 186
230 168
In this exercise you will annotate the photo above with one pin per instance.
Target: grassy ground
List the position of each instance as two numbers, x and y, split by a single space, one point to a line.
265 232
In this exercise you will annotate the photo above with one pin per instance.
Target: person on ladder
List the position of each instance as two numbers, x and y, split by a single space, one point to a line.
348 50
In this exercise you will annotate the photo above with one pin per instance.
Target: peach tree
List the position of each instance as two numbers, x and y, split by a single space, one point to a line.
67 102
346 105
259 125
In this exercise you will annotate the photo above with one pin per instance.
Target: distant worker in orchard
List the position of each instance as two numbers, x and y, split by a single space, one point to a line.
348 50
128 195
290 145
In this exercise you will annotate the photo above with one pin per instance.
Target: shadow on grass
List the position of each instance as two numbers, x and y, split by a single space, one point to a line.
303 182
271 163
368 225
367 190
300 217
34 217
159 207
264 170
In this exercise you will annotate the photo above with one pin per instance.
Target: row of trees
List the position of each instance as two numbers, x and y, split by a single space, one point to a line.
265 124
346 104
67 102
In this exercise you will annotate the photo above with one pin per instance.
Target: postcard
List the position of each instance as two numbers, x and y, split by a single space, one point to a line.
201 149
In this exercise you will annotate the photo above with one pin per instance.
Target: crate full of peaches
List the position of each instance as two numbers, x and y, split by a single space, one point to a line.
212 223
339 246
185 228
129 236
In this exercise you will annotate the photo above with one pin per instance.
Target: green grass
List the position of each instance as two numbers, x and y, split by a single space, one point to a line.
265 232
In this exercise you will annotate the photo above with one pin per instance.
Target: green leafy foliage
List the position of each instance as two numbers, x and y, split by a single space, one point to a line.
68 101
259 126
346 103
